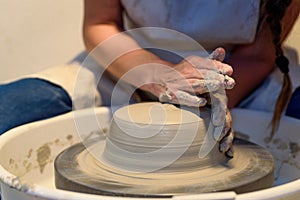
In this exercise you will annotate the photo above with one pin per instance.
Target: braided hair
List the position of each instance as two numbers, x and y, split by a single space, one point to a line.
274 11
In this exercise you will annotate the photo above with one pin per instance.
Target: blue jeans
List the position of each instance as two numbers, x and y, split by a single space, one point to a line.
31 99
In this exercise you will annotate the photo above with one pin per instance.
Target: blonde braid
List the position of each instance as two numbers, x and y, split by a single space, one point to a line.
275 10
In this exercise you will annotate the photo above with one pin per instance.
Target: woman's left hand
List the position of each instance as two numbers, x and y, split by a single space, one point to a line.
209 90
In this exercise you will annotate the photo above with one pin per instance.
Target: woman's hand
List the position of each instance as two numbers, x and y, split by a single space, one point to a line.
184 83
189 82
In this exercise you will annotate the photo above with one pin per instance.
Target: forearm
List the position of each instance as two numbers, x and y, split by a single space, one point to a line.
102 28
119 54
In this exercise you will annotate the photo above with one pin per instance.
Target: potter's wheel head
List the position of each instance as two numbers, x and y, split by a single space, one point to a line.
77 170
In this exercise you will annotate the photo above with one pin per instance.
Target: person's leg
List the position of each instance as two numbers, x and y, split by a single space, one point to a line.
29 100
293 108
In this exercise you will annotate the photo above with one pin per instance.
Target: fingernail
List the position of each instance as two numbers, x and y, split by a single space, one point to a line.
229 82
222 147
201 102
189 100
213 55
197 83
195 101
230 153
216 55
165 97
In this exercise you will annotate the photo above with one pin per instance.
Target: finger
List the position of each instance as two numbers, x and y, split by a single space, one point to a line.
226 142
219 107
223 68
226 128
230 152
165 96
229 82
156 89
228 118
205 86
205 63
218 117
196 86
212 82
218 54
184 98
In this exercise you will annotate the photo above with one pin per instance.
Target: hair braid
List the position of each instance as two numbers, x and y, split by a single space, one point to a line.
275 10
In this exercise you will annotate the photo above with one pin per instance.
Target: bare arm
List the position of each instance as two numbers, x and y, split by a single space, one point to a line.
254 62
100 16
103 21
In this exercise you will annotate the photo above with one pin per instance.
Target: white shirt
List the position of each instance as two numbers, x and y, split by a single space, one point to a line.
212 23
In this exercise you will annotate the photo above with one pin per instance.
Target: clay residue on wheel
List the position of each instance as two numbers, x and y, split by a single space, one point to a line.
295 148
69 137
286 153
43 156
37 158
29 153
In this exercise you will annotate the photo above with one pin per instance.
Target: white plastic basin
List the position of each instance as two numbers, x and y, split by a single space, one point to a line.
27 155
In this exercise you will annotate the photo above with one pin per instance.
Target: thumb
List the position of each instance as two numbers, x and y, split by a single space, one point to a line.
218 54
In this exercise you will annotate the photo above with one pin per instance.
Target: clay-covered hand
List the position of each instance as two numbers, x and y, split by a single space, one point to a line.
197 80
185 82
227 136
221 114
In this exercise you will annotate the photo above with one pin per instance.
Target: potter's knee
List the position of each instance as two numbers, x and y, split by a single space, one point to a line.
28 100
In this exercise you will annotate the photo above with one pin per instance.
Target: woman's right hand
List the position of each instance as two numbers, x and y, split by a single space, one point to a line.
184 83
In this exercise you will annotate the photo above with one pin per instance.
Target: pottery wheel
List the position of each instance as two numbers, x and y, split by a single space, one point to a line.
152 149
77 170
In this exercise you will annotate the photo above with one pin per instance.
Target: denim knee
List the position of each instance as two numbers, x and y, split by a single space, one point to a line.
29 100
